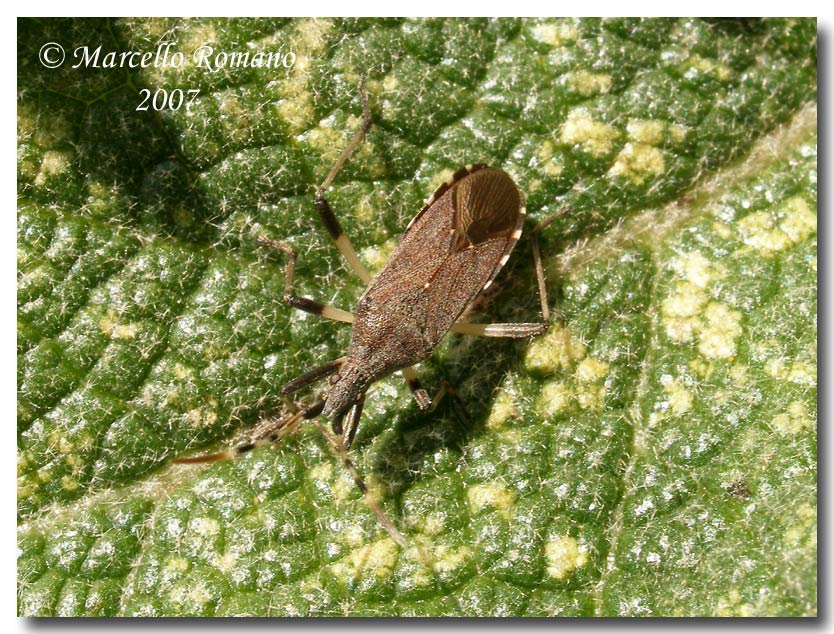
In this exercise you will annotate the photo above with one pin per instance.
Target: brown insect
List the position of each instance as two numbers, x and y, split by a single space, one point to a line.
450 252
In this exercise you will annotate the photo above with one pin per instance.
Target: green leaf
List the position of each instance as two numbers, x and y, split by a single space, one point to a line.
653 454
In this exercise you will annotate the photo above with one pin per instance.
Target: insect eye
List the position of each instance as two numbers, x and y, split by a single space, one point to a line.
334 378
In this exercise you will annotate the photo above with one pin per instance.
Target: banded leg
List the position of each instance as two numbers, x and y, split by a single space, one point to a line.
428 403
519 330
331 223
297 301
417 391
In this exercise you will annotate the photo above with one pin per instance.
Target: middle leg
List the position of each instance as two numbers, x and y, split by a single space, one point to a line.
331 223
297 301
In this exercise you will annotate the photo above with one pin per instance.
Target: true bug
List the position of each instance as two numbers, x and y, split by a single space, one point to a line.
450 252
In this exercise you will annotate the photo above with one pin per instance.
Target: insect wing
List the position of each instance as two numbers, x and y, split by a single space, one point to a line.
453 249
487 205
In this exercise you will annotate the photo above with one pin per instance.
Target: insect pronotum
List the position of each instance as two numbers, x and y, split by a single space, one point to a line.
450 252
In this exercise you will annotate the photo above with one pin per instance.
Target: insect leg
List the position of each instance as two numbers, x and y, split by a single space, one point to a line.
334 228
426 402
446 389
512 331
339 449
297 301
537 258
515 331
420 395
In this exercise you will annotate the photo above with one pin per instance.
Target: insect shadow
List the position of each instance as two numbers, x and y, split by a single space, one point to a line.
476 367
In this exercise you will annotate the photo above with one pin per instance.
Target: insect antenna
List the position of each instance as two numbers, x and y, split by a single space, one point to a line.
270 431
340 451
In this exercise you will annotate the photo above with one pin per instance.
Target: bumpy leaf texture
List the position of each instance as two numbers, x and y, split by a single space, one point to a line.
653 454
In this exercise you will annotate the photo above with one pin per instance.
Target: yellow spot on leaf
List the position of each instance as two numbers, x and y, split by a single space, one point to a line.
342 489
54 162
798 372
800 220
591 396
309 41
678 397
551 162
595 137
376 257
205 526
555 34
376 560
556 350
202 34
110 326
638 161
183 372
695 268
554 397
200 417
431 524
739 374
681 309
439 179
732 605
564 555
803 373
226 562
177 564
491 494
426 559
794 420
449 559
646 131
44 474
704 66
327 141
590 370
502 410
588 84
678 132
759 230
803 533
719 334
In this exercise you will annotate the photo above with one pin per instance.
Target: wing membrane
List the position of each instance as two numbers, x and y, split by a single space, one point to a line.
450 252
